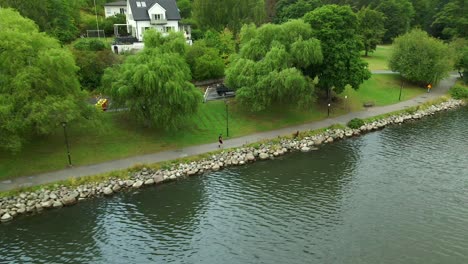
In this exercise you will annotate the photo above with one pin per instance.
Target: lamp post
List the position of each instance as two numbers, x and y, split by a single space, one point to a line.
64 125
346 103
401 88
227 115
97 23
328 110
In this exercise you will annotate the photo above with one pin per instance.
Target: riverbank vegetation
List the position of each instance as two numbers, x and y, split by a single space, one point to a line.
119 136
339 29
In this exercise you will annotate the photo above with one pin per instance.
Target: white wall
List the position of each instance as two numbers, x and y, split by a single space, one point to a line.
113 10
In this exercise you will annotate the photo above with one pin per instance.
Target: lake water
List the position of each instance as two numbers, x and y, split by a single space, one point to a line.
399 195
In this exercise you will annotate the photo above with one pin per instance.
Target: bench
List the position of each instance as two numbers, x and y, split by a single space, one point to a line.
369 104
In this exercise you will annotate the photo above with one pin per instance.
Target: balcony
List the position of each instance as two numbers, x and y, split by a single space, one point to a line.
158 21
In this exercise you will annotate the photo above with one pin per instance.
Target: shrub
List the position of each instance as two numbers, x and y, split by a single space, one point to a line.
89 44
355 123
459 92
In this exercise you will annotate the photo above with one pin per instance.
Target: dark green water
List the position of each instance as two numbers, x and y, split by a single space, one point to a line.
399 195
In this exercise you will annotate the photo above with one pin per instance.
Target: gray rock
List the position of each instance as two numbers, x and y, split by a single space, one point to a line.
250 157
215 167
6 217
149 182
46 204
57 204
137 184
108 191
21 210
158 179
305 149
69 200
116 188
52 196
263 156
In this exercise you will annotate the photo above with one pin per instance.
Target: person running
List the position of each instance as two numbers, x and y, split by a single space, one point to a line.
220 140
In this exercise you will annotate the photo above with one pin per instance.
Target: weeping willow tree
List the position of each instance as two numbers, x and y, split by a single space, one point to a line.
220 14
269 69
155 84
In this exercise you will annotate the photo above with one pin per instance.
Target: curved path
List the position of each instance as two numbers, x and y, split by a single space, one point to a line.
80 171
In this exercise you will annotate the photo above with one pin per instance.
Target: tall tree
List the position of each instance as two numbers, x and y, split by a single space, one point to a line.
371 28
454 19
39 87
155 84
399 14
270 67
337 29
420 58
296 10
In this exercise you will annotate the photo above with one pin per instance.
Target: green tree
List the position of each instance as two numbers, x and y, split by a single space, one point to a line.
205 62
39 87
459 48
337 29
92 56
231 14
155 85
297 9
108 24
420 58
453 19
185 8
270 65
399 14
59 18
371 28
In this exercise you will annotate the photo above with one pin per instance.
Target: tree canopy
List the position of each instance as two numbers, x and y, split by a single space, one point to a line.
420 58
337 29
230 14
155 83
454 19
59 18
270 65
39 87
371 28
399 14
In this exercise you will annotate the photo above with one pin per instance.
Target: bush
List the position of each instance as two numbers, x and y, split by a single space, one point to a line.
89 44
459 92
355 123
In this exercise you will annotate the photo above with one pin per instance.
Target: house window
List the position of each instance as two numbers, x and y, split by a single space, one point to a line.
158 17
169 29
122 11
141 4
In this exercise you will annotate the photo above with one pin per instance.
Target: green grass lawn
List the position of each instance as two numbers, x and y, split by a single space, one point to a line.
378 60
120 136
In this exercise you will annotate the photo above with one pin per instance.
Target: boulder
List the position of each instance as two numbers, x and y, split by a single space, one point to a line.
264 156
137 184
215 167
149 182
108 191
116 188
68 200
250 157
6 217
158 179
57 204
46 204
305 149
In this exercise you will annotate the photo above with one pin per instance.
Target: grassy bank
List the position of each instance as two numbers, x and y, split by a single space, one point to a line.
120 136
378 60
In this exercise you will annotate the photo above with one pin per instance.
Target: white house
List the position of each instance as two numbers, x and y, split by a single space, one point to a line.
114 8
162 15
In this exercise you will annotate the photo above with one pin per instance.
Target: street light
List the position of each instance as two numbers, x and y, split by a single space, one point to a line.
346 103
328 113
227 115
401 88
64 124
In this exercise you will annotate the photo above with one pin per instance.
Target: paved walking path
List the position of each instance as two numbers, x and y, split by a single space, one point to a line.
49 177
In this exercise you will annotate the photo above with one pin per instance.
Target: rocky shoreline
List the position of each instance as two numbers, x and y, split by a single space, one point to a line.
34 202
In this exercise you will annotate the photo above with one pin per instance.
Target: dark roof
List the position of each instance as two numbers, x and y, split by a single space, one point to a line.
119 3
141 13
